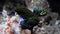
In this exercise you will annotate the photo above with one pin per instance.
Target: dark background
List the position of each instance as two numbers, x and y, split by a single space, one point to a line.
54 5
